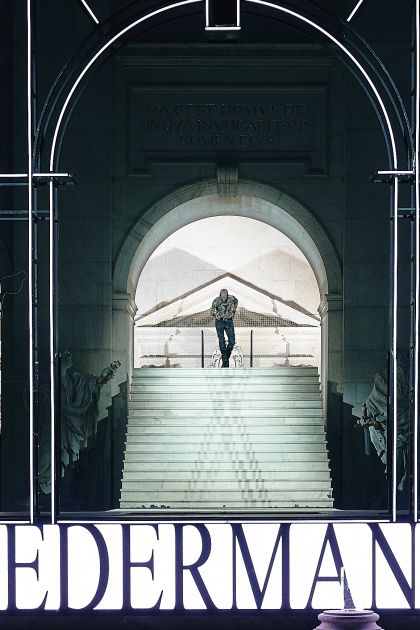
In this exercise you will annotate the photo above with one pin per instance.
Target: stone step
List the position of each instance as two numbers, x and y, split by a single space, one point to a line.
173 487
227 447
232 422
234 386
190 373
203 430
225 397
168 496
220 381
185 507
241 440
224 476
224 405
228 467
275 411
220 458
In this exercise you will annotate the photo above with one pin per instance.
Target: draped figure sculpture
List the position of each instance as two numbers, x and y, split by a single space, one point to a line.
375 417
79 397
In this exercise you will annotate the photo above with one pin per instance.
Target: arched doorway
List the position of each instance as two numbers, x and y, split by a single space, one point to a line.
210 423
255 201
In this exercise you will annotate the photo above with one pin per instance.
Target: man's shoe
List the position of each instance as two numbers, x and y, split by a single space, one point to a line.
225 365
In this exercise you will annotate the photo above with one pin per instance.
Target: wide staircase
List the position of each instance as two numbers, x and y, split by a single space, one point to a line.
226 439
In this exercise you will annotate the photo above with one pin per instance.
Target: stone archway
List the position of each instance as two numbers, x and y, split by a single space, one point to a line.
250 199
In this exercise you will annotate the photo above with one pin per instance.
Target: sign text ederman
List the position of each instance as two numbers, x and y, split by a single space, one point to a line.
206 566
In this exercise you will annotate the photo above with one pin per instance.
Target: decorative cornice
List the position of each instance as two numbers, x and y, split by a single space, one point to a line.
330 302
124 302
139 55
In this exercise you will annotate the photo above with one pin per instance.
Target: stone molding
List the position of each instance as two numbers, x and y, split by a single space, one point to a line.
330 302
124 302
273 55
285 214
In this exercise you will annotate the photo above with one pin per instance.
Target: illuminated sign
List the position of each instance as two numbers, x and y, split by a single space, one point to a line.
177 566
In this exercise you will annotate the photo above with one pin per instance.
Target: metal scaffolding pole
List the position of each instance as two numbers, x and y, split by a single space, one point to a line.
32 270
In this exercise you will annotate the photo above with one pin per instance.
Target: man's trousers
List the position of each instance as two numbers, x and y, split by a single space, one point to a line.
222 326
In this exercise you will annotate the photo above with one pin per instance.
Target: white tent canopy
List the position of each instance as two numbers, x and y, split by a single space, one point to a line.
249 297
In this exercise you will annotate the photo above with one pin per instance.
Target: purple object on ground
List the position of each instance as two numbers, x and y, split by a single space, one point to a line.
348 618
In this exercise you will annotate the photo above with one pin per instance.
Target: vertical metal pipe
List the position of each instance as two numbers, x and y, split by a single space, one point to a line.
29 88
416 157
53 380
202 348
56 465
251 349
392 387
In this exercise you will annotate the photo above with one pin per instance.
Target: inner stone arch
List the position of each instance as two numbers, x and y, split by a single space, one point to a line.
294 226
254 200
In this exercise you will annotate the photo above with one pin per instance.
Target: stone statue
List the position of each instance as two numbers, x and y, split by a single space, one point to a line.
375 417
79 416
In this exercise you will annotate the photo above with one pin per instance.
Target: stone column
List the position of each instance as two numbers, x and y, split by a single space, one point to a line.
123 312
348 619
331 312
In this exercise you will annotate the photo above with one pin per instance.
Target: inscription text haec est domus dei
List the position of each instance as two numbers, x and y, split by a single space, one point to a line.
276 122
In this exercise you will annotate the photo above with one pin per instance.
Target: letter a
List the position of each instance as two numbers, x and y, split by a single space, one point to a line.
330 540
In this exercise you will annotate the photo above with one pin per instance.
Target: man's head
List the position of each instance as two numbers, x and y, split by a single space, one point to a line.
224 294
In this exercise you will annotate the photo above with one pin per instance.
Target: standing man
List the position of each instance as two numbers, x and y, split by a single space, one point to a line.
223 310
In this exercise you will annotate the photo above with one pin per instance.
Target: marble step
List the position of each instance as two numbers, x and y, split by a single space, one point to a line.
223 405
228 467
225 447
231 421
189 373
225 429
233 506
220 458
221 381
234 387
183 441
247 410
225 397
239 507
225 496
173 487
224 476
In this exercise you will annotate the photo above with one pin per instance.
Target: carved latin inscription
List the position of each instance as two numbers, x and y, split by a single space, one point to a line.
290 123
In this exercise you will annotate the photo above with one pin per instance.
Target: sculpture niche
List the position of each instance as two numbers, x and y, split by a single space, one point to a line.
375 417
79 416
